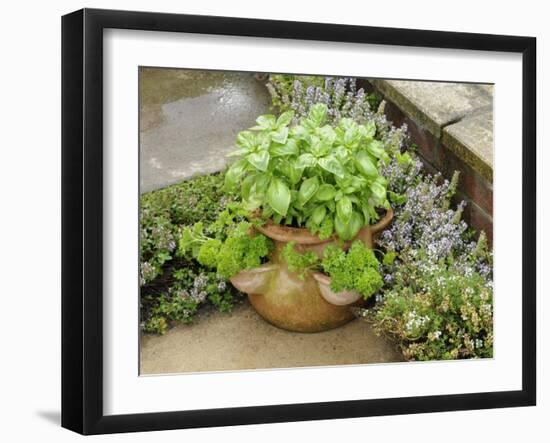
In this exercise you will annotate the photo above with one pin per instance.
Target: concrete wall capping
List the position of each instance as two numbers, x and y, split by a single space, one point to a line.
472 140
458 115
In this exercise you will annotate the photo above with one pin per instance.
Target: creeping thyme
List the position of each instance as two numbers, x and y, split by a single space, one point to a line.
172 288
438 312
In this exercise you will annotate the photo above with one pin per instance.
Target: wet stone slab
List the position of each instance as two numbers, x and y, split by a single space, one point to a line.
242 340
189 120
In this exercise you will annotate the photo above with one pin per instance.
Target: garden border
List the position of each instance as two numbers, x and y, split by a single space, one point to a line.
82 218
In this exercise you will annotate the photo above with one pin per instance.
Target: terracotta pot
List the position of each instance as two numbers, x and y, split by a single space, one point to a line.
288 301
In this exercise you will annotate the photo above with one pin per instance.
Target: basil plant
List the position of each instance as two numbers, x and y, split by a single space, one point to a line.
314 175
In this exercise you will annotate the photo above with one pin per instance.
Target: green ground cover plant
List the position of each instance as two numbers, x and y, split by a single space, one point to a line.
174 288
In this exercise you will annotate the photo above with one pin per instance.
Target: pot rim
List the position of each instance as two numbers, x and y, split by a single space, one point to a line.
302 236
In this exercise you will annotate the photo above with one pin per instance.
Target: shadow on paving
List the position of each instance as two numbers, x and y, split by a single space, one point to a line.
241 340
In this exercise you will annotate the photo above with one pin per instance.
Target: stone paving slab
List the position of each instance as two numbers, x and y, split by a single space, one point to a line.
242 340
189 121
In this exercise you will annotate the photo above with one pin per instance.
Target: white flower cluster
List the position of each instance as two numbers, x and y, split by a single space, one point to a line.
415 321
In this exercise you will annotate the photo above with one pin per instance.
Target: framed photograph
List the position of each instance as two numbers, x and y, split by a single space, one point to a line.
269 221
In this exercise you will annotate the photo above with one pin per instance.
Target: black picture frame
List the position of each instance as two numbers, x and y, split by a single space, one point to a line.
82 218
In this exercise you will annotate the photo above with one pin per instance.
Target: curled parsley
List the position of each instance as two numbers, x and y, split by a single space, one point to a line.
236 248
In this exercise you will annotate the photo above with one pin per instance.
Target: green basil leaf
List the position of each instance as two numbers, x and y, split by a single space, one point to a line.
352 137
260 160
378 191
253 202
234 174
238 152
327 134
307 190
331 164
368 129
346 231
247 185
344 209
289 169
261 183
345 124
253 190
278 196
355 224
267 121
306 161
318 215
295 173
365 165
370 214
318 114
246 140
321 147
285 118
342 229
280 135
300 133
325 192
289 148
376 148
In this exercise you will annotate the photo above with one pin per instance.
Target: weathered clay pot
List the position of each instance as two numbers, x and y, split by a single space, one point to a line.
293 303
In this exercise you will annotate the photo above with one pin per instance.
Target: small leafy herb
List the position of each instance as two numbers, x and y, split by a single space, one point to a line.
297 262
240 252
356 269
239 249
